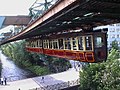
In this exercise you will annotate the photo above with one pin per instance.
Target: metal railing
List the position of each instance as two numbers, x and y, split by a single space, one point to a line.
59 86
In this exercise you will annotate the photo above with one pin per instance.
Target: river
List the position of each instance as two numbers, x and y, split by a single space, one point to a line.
11 71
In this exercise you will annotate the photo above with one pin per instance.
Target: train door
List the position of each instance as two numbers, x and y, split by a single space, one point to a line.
100 46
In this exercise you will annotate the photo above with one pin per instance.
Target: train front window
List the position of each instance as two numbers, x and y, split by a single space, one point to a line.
98 41
88 42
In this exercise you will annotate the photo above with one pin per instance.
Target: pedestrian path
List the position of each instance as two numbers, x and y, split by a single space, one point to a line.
36 83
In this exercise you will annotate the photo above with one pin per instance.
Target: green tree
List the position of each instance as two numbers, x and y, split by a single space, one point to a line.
56 64
114 45
102 76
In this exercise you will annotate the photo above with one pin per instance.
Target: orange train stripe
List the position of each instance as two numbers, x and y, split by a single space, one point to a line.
89 57
82 56
72 55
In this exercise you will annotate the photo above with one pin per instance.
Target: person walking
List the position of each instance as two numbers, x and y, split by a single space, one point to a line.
42 79
1 81
5 80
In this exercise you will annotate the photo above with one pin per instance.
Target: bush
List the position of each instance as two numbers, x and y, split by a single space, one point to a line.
39 70
102 76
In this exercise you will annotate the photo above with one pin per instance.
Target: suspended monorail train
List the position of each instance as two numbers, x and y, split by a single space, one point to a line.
84 47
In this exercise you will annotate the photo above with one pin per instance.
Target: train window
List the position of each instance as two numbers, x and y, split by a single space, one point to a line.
50 44
30 43
80 43
26 44
60 41
74 43
55 44
88 42
40 43
37 43
98 41
45 43
34 44
67 43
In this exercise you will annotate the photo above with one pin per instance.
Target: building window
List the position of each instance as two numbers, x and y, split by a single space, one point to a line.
118 24
118 35
112 29
118 43
117 29
113 36
111 24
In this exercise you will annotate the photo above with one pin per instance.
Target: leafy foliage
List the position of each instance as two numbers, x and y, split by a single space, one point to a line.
102 76
39 70
114 45
56 64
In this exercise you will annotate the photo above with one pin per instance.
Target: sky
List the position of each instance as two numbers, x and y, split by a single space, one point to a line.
15 7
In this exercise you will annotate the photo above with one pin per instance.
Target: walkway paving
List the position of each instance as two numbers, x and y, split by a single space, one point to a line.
37 82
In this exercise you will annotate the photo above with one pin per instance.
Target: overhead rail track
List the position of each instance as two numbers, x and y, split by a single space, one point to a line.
68 15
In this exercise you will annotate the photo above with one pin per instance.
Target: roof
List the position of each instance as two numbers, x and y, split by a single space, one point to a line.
2 18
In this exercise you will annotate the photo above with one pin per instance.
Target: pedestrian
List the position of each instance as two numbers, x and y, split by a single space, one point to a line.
1 81
5 80
42 79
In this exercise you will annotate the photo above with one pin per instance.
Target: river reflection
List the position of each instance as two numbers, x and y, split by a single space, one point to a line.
12 71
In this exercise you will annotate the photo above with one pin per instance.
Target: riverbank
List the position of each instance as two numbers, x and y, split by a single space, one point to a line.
11 71
39 64
51 82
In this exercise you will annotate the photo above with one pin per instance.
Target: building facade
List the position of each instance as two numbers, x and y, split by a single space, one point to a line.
113 33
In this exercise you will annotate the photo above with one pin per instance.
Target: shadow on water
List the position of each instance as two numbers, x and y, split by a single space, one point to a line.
12 71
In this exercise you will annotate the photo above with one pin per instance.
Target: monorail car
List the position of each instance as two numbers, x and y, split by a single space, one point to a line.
84 47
